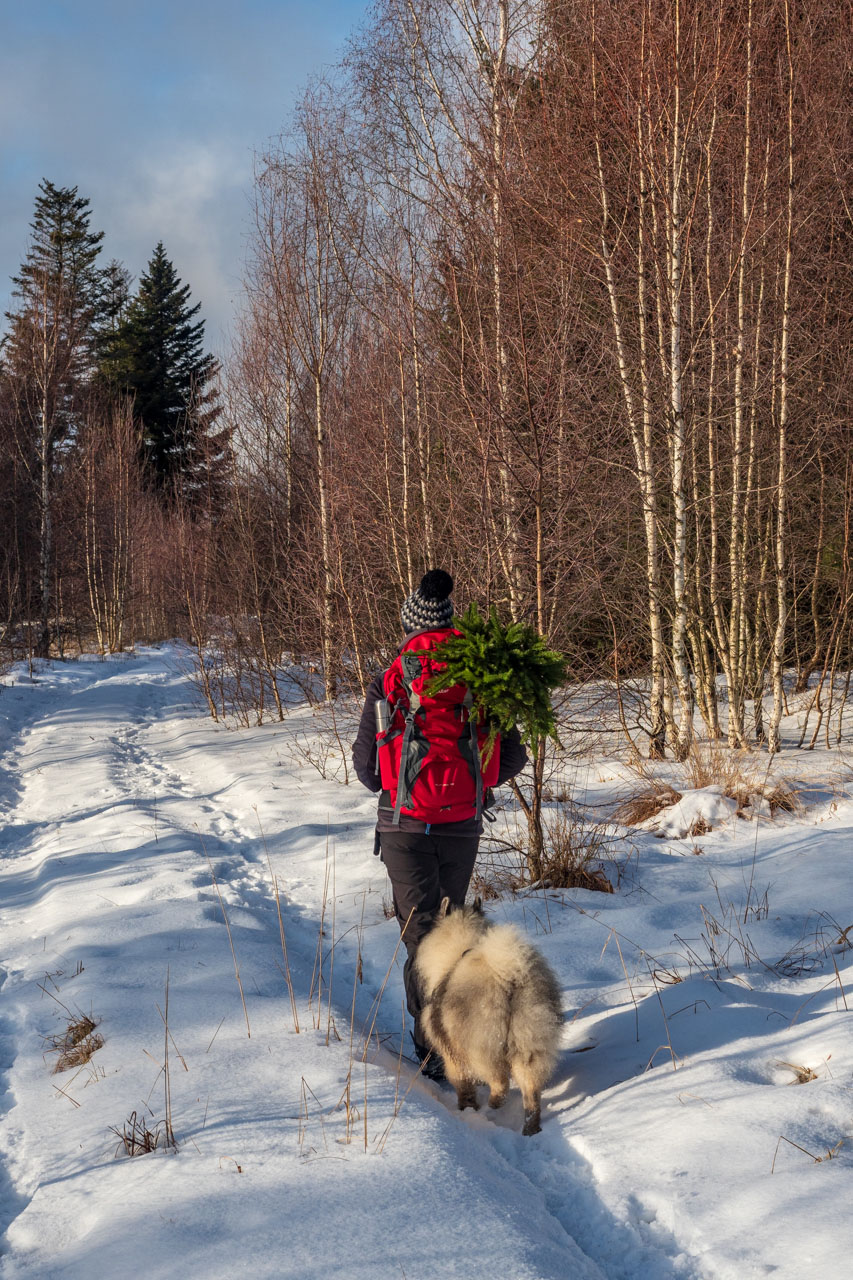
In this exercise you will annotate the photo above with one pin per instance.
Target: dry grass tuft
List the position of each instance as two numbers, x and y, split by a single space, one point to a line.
782 798
76 1045
741 775
802 1075
136 1139
714 764
829 1154
638 808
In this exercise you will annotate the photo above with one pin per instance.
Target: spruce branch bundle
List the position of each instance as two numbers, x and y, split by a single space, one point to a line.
509 670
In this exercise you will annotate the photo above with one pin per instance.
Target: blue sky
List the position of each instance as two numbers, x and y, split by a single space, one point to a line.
154 110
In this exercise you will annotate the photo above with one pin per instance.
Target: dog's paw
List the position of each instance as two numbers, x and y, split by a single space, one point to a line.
531 1124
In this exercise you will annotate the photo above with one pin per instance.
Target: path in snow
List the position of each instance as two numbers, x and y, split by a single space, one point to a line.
106 837
115 790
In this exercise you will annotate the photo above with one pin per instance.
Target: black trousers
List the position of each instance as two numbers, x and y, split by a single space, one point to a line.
423 869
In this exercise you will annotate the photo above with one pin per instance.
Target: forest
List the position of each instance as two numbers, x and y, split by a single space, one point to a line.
556 296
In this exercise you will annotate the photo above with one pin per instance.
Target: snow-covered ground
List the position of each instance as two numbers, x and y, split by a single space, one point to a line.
678 1139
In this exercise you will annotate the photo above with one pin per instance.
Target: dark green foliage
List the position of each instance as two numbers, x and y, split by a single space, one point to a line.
155 354
114 300
509 670
62 253
50 341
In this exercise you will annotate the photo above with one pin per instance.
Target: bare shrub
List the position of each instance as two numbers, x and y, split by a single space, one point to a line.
324 747
573 852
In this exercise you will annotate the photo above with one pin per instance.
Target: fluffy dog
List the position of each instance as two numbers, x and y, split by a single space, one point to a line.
492 1008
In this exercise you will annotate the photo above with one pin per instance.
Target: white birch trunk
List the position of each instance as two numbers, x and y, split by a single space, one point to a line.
774 741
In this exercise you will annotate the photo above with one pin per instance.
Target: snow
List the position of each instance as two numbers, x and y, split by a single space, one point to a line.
697 996
696 812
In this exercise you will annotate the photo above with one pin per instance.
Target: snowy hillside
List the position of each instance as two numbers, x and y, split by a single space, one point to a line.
698 1125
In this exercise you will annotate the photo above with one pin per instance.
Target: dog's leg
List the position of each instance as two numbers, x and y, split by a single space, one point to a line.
530 1083
466 1095
466 1090
498 1090
532 1117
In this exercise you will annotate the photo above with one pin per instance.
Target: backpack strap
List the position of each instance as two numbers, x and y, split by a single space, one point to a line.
475 762
411 757
412 668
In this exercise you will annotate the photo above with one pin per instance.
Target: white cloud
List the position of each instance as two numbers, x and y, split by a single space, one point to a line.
192 196
152 112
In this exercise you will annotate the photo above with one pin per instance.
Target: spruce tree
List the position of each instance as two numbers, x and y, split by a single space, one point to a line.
48 353
52 324
155 355
113 302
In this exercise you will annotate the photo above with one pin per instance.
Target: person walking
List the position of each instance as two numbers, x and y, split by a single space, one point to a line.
428 760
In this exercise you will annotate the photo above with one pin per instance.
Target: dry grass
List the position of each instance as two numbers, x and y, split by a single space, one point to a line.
76 1045
783 799
829 1154
743 776
740 773
638 808
573 851
802 1075
136 1139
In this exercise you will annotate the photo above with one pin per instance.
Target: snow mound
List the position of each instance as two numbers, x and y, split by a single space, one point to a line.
694 814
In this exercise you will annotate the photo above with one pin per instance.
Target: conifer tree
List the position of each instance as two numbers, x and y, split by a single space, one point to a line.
156 356
48 352
113 302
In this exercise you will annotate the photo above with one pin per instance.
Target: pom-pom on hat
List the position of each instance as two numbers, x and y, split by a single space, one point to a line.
429 606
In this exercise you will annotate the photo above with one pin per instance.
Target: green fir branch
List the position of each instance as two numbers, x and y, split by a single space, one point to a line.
509 670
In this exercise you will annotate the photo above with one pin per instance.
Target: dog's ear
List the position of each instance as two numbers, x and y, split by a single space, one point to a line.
443 909
478 906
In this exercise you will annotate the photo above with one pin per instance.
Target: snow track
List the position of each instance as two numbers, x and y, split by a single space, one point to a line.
117 798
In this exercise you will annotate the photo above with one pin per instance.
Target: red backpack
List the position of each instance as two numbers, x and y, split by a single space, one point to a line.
430 754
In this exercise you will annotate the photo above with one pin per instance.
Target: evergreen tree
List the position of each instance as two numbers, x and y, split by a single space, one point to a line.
156 356
48 352
52 326
113 301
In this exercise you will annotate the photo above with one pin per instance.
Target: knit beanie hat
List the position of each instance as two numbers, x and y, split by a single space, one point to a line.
429 606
